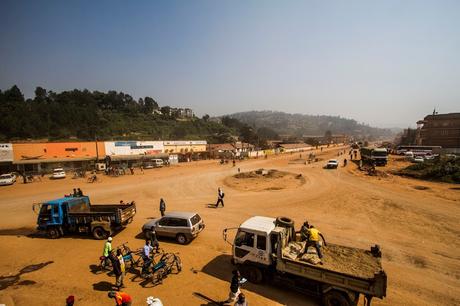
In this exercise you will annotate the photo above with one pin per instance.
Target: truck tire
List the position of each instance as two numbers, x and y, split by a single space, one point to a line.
99 233
181 239
254 274
284 221
336 298
53 233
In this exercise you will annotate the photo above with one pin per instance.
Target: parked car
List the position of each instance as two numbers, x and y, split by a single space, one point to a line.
58 173
7 179
418 159
182 226
148 165
157 163
332 164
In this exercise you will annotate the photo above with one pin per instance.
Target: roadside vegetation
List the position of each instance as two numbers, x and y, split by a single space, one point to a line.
85 115
445 169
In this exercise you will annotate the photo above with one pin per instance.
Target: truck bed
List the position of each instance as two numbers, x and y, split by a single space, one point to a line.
345 267
118 213
341 259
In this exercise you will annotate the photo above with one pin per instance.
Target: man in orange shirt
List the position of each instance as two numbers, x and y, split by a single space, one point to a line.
121 298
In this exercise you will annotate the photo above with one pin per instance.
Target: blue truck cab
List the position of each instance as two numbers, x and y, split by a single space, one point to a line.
77 215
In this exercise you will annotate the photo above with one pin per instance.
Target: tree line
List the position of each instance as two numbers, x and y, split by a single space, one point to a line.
91 115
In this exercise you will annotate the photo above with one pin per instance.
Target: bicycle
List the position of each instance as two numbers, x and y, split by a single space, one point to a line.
168 263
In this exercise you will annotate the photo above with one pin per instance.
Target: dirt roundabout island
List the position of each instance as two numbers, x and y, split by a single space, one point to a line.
265 179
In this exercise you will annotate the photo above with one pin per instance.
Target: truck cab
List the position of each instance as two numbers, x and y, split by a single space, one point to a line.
254 241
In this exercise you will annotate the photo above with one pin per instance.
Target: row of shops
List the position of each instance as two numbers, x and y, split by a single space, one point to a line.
44 156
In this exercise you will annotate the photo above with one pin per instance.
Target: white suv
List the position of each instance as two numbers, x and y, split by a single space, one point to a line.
7 179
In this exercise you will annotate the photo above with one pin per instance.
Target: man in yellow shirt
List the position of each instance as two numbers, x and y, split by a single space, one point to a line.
313 240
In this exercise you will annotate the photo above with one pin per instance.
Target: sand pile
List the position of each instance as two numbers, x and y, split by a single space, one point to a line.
265 179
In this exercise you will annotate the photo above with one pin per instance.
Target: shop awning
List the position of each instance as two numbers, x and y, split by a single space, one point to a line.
52 160
137 157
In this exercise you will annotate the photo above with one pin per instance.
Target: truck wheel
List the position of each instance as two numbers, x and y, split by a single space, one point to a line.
254 275
180 238
99 233
284 221
53 233
335 298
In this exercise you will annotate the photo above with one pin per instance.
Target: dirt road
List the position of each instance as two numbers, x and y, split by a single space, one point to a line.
417 230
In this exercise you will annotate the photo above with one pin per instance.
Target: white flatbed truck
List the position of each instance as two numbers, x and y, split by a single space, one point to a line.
261 248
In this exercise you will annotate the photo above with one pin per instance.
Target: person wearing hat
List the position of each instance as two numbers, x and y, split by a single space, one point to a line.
107 250
121 298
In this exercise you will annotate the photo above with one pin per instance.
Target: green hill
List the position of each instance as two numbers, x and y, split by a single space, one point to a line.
300 125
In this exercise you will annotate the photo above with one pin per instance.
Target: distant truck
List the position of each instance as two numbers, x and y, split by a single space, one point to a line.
77 215
376 156
262 251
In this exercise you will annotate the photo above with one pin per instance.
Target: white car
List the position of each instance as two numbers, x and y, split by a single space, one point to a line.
7 179
332 164
418 159
58 173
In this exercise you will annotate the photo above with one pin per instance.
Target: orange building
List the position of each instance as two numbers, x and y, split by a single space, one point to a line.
40 156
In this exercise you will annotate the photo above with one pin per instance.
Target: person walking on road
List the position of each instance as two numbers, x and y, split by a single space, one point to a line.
220 197
121 298
162 207
107 250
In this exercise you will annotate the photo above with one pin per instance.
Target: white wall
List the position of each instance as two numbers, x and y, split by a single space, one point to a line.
6 152
113 148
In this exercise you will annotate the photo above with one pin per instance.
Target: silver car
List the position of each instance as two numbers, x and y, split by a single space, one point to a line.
182 226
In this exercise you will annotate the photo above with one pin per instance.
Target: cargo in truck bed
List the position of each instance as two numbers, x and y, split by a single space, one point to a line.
347 260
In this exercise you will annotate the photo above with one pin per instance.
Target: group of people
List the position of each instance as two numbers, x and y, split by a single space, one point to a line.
76 193
118 265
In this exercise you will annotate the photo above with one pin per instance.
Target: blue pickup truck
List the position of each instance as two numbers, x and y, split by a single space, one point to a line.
77 215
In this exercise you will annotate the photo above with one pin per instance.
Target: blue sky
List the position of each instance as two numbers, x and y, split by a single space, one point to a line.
386 63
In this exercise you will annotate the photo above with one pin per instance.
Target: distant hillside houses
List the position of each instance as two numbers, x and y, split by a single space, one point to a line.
179 113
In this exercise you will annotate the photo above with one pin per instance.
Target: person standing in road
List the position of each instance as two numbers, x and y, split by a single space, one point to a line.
162 207
121 298
116 270
120 283
234 287
146 257
220 197
153 240
107 250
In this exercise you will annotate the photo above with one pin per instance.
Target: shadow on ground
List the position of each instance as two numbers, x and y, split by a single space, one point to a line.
103 286
10 280
221 268
33 233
